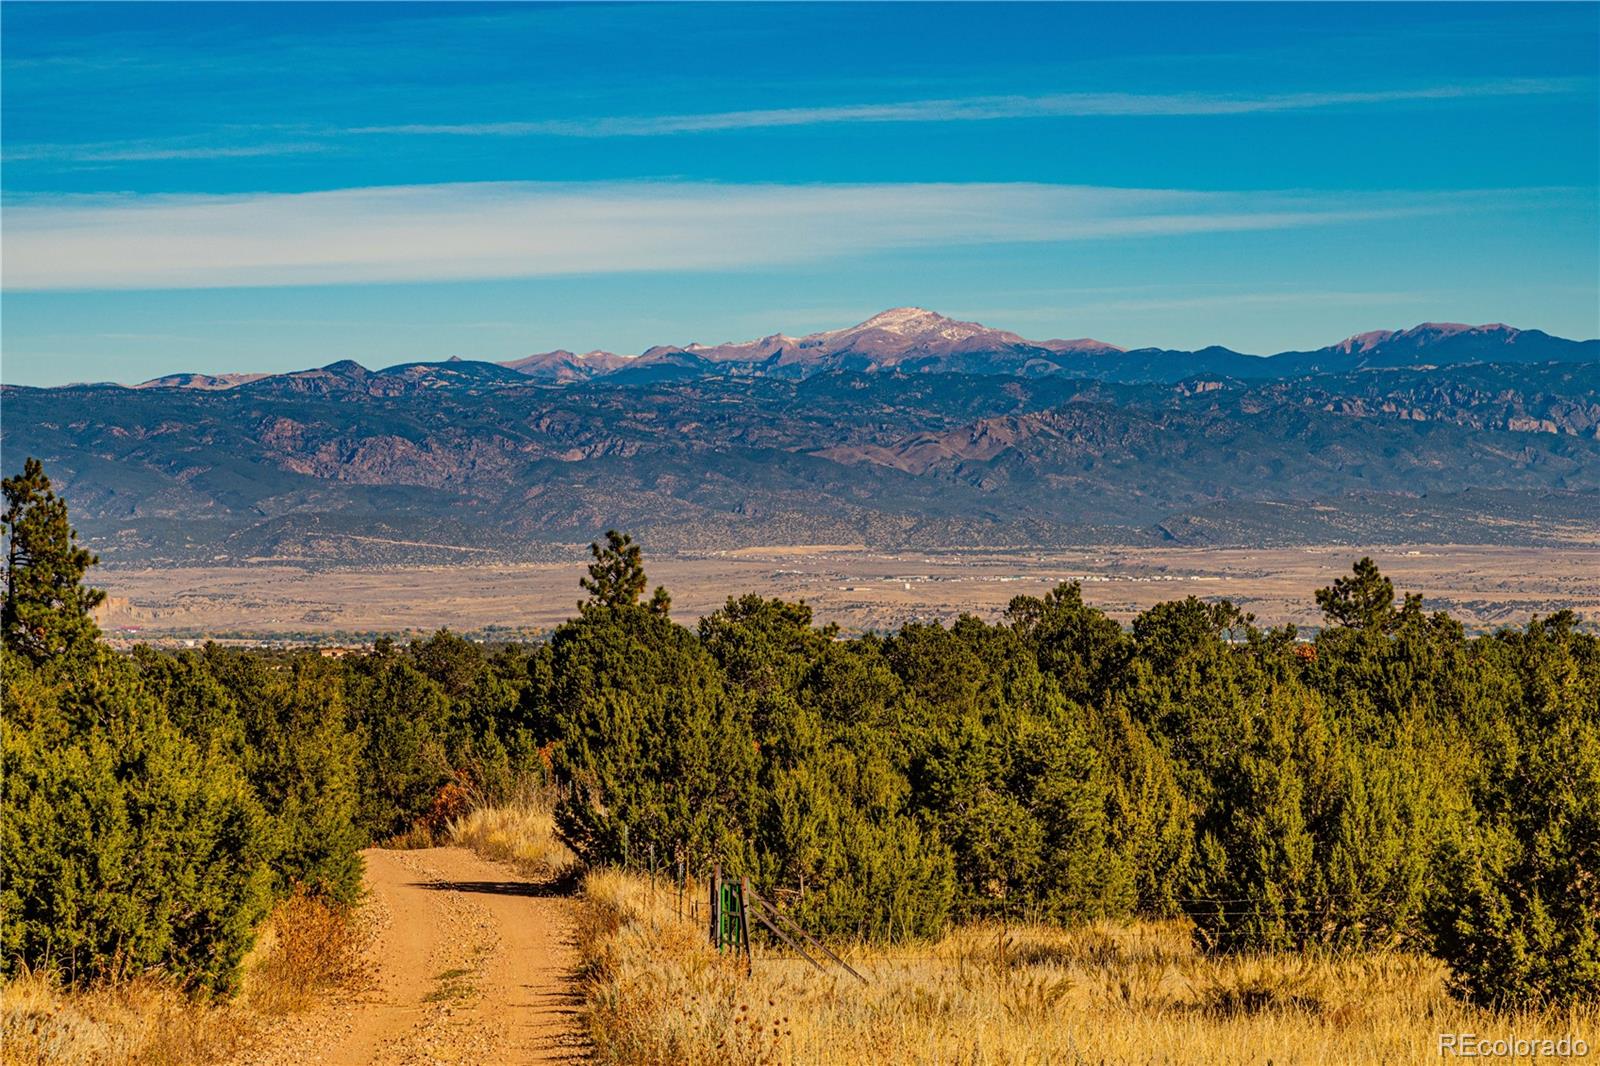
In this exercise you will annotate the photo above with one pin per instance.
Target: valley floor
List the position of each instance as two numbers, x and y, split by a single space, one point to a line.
1484 586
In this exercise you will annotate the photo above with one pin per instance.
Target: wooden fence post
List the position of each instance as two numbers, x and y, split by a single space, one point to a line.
716 905
744 924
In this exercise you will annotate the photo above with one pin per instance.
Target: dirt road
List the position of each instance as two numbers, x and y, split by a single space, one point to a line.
470 964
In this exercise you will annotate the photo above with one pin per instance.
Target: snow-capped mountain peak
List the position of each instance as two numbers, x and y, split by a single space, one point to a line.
906 321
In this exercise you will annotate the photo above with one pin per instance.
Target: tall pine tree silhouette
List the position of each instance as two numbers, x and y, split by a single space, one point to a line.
47 607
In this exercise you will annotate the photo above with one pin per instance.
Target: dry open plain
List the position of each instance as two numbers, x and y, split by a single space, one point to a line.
848 584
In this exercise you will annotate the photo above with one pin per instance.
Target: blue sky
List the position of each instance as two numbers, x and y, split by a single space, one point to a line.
266 187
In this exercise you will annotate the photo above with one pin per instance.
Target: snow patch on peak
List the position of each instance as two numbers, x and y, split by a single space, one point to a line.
906 320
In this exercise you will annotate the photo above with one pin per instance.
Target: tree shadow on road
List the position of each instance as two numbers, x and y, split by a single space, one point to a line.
565 886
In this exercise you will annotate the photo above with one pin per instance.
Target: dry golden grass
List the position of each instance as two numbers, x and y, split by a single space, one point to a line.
143 1022
306 949
522 835
1101 994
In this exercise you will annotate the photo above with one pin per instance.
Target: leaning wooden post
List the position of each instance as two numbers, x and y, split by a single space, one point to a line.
761 912
744 924
716 906
814 942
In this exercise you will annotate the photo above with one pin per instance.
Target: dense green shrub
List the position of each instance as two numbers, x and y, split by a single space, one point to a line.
490 743
301 756
403 722
1312 841
127 848
1517 909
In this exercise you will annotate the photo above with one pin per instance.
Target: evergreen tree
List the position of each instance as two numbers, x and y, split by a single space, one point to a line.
763 645
1517 911
1254 857
1078 645
127 848
1364 600
490 744
1171 633
402 720
197 702
831 828
46 611
1149 820
653 748
616 577
302 759
1061 779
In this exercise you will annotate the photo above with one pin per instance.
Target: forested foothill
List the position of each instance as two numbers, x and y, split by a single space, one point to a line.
1386 782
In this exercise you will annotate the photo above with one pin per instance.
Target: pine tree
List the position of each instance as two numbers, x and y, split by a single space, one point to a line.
1364 600
46 611
616 577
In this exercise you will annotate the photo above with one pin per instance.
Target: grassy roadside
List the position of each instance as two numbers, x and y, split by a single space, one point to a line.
522 835
306 950
1102 994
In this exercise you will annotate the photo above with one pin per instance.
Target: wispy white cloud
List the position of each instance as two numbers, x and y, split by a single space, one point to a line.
1257 299
149 151
979 109
1173 298
952 109
520 229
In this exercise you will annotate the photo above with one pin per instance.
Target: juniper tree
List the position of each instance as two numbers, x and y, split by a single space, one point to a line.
402 719
1516 912
127 846
301 757
1079 645
654 749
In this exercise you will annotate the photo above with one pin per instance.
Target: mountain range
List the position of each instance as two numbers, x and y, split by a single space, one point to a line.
913 340
909 429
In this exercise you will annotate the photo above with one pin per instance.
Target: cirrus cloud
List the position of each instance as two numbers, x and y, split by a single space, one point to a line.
987 109
529 229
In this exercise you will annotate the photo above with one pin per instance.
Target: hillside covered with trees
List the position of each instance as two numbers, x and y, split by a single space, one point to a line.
1388 782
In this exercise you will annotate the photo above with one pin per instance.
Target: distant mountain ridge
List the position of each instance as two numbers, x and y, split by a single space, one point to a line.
909 428
345 465
916 340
